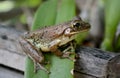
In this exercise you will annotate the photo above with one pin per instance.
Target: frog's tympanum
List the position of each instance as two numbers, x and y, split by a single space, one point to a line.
49 39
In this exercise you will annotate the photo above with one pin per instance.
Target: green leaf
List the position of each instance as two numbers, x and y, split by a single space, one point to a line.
45 15
29 69
49 13
32 3
61 68
65 10
112 18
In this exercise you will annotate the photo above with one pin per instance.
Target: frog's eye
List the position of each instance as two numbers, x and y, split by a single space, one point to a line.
76 25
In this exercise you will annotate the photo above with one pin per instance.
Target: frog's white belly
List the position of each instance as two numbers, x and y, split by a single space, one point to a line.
44 47
65 40
57 42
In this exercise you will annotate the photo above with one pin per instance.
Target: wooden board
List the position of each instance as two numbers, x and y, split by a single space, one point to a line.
10 51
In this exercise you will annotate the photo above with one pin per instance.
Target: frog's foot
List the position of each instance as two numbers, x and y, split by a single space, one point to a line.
67 55
38 66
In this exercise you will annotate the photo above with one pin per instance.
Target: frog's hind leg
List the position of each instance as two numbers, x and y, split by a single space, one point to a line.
32 53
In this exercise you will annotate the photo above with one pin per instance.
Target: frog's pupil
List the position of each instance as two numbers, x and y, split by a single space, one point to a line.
77 25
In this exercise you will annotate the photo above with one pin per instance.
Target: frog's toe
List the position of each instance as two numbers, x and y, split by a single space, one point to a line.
36 67
67 55
40 67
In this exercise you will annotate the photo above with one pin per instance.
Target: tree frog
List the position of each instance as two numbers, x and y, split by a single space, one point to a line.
49 39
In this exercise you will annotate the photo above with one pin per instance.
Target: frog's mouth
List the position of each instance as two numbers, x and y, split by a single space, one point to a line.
73 33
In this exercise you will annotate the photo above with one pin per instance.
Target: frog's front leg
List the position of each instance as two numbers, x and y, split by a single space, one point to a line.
53 46
33 53
69 50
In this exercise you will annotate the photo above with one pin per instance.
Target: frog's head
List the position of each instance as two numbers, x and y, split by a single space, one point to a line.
76 27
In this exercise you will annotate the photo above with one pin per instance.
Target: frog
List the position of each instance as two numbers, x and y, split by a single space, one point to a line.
50 38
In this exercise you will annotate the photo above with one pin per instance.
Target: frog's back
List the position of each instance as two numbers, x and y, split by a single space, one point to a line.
42 37
48 33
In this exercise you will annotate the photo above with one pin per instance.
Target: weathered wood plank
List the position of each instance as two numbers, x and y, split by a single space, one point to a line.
10 51
92 63
11 59
9 73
